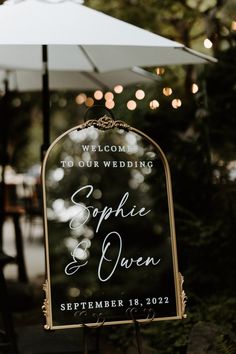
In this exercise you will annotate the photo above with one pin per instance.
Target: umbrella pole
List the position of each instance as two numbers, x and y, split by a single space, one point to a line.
45 103
4 158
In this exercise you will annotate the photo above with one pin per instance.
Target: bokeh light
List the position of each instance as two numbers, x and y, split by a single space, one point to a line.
154 104
81 98
110 104
89 102
140 94
195 88
167 91
98 95
62 102
176 103
16 102
131 105
208 43
160 71
109 96
118 89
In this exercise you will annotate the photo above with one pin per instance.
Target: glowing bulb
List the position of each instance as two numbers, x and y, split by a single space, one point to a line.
140 94
131 105
98 95
176 103
160 71
167 91
154 104
233 25
109 96
81 98
195 88
110 104
208 43
89 102
118 88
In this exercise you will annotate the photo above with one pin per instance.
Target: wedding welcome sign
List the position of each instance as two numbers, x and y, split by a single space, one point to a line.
109 224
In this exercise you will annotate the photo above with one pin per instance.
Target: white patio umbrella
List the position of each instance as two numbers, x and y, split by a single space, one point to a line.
77 38
87 39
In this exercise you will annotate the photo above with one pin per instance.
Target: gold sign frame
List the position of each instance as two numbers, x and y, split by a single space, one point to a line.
107 123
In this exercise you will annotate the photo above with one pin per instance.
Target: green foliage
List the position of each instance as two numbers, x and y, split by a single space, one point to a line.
172 337
223 346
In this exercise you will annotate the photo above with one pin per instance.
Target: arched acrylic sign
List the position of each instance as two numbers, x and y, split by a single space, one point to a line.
109 224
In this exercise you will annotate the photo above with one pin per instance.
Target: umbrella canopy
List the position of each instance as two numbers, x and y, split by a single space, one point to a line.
77 38
28 80
89 40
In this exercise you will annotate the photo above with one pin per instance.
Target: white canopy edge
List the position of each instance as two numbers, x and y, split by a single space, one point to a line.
26 80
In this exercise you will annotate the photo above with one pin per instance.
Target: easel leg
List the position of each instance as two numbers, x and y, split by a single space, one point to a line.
138 337
98 336
85 339
99 323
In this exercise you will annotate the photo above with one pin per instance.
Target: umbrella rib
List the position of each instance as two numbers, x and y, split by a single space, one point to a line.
95 68
199 55
145 73
95 80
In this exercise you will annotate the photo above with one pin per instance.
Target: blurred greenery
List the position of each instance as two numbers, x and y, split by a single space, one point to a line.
199 140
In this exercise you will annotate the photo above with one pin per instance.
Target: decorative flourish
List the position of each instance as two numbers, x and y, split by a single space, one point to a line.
183 296
105 123
45 306
83 315
150 315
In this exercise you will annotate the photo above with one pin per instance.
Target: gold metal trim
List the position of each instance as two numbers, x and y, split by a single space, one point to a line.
106 123
46 306
183 296
113 323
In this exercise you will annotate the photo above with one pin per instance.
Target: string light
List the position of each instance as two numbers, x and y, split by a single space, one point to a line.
154 104
208 43
89 102
131 105
110 104
81 98
140 94
167 91
195 88
176 103
98 95
118 89
160 71
109 96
